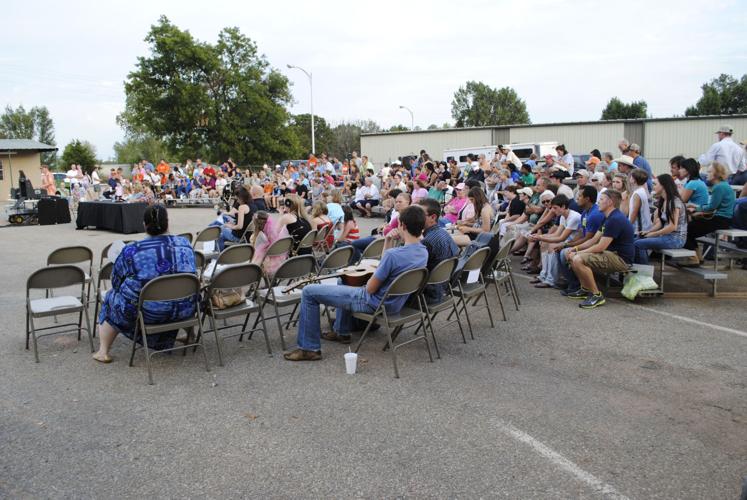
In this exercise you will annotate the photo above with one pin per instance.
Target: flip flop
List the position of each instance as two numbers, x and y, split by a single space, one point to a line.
106 360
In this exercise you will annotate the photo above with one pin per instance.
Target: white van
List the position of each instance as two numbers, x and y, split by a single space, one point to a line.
460 155
523 150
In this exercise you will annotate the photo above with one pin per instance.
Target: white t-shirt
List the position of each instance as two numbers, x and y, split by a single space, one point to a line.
95 178
572 222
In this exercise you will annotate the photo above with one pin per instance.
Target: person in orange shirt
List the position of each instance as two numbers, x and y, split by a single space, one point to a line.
163 168
48 181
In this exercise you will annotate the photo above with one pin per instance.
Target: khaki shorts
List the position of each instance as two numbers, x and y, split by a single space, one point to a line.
604 263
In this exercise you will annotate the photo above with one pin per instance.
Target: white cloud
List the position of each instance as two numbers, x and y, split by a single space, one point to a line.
565 58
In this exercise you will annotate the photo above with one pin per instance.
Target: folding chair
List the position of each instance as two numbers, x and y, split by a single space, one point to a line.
189 237
51 278
292 269
237 254
243 240
337 259
168 288
407 283
105 274
238 276
211 233
320 241
200 262
282 246
307 242
374 250
499 273
105 252
441 276
466 292
74 255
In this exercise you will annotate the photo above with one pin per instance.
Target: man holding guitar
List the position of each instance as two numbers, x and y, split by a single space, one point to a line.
347 299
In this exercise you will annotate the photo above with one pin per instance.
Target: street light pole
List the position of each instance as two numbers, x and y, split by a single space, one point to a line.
412 117
311 90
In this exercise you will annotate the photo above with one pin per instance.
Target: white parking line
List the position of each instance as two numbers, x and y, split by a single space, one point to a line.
690 320
559 460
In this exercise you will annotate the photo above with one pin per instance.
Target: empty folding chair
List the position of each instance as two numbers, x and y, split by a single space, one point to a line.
292 269
51 278
336 260
169 288
236 254
440 276
408 283
471 286
200 262
499 273
74 255
374 250
241 276
208 234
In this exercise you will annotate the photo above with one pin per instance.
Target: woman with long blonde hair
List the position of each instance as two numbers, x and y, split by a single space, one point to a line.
295 219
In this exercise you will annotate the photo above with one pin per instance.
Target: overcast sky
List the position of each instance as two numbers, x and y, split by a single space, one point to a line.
564 58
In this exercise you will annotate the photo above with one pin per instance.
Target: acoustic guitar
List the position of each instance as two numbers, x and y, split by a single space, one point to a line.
351 276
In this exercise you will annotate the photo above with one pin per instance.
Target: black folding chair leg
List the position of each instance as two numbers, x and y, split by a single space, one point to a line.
217 341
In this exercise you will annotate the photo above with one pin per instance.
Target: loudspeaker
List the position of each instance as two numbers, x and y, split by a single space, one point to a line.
47 211
63 211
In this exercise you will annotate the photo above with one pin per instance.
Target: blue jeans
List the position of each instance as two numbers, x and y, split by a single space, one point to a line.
568 274
739 178
226 234
347 300
643 245
359 246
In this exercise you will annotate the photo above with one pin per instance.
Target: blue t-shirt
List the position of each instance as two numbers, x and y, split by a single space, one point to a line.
591 220
643 164
700 192
394 262
619 228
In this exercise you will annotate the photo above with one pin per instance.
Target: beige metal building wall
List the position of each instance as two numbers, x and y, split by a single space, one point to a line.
691 138
388 147
578 138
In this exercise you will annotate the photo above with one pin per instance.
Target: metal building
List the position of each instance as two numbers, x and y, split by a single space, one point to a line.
659 138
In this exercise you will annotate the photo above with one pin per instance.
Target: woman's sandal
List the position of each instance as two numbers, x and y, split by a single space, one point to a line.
105 360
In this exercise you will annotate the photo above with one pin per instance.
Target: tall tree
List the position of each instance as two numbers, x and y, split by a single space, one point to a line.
323 137
724 95
140 147
618 110
81 153
347 136
214 100
477 104
35 124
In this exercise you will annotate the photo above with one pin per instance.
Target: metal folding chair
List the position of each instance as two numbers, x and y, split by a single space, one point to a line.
336 260
407 283
189 237
499 273
211 233
237 276
236 254
320 241
105 252
466 292
374 250
243 240
105 274
441 276
307 242
281 247
74 255
292 269
51 278
168 288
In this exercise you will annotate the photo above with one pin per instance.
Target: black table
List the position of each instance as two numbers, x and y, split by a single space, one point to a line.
125 218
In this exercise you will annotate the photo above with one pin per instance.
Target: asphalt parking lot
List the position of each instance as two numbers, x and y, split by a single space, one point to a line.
625 401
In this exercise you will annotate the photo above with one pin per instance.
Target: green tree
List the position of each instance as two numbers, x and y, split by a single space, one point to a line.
140 147
347 136
477 104
724 95
34 124
323 136
398 128
214 100
618 110
81 153
433 126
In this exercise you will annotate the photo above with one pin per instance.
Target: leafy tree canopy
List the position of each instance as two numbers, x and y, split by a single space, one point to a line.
81 153
724 95
618 110
477 104
34 124
213 100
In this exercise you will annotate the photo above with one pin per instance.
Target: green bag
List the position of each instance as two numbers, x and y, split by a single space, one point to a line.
636 283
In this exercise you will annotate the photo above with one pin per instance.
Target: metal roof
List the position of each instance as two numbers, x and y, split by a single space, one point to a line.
24 145
595 122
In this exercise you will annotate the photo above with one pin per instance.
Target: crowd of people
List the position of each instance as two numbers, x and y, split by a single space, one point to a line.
615 215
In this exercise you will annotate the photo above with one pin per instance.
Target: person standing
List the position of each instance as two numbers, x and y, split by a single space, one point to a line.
47 181
640 162
728 153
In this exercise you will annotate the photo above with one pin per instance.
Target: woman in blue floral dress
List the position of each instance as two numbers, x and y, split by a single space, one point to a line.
158 255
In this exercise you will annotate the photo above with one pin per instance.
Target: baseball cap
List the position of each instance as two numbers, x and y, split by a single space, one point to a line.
625 160
724 129
547 194
592 161
598 176
583 172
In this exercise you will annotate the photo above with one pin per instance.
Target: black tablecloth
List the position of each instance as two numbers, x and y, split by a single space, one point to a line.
123 218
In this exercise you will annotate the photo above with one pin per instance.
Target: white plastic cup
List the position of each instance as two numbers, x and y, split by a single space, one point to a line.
351 360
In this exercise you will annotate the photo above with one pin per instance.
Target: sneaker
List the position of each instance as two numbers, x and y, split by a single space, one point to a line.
593 301
581 293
